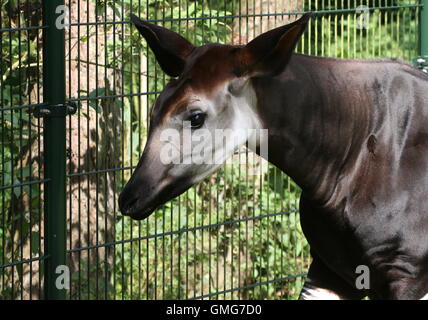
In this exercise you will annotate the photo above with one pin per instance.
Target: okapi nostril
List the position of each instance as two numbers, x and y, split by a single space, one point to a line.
130 204
126 203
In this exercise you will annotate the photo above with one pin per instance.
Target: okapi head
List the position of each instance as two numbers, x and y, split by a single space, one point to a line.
211 91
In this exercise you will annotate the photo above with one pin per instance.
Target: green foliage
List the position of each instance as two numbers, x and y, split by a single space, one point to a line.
231 230
249 248
188 241
19 70
382 33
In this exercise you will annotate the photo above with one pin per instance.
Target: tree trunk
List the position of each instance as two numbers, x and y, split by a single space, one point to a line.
92 144
262 15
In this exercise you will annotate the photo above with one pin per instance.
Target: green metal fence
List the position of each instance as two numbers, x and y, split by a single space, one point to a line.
233 236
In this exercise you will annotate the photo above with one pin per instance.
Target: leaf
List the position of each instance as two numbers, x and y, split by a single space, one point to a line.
17 191
116 11
24 172
35 237
93 98
298 248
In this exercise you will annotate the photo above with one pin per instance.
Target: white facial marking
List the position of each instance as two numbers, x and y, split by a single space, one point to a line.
231 120
314 293
170 152
425 297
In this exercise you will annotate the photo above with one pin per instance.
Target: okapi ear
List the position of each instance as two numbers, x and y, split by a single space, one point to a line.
269 53
170 49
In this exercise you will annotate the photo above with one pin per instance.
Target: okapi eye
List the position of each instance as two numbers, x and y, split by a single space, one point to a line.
197 120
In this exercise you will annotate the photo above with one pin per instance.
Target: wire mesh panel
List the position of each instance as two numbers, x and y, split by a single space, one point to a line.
235 235
21 151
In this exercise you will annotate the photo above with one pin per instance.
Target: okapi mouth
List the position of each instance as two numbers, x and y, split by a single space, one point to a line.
141 214
138 207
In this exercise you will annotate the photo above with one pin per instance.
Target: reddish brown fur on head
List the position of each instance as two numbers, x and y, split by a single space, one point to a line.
210 92
205 68
212 64
202 69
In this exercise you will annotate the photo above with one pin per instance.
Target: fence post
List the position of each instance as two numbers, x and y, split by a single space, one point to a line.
54 148
423 28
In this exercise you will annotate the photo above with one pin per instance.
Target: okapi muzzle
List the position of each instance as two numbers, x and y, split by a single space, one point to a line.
149 187
211 90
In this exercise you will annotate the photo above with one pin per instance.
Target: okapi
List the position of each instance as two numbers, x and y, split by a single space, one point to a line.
353 134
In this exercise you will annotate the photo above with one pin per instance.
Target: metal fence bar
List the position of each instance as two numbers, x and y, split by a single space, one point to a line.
23 29
184 230
27 183
78 174
54 148
11 264
25 106
255 15
249 286
114 96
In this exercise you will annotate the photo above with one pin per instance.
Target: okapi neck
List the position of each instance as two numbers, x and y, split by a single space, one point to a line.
317 120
